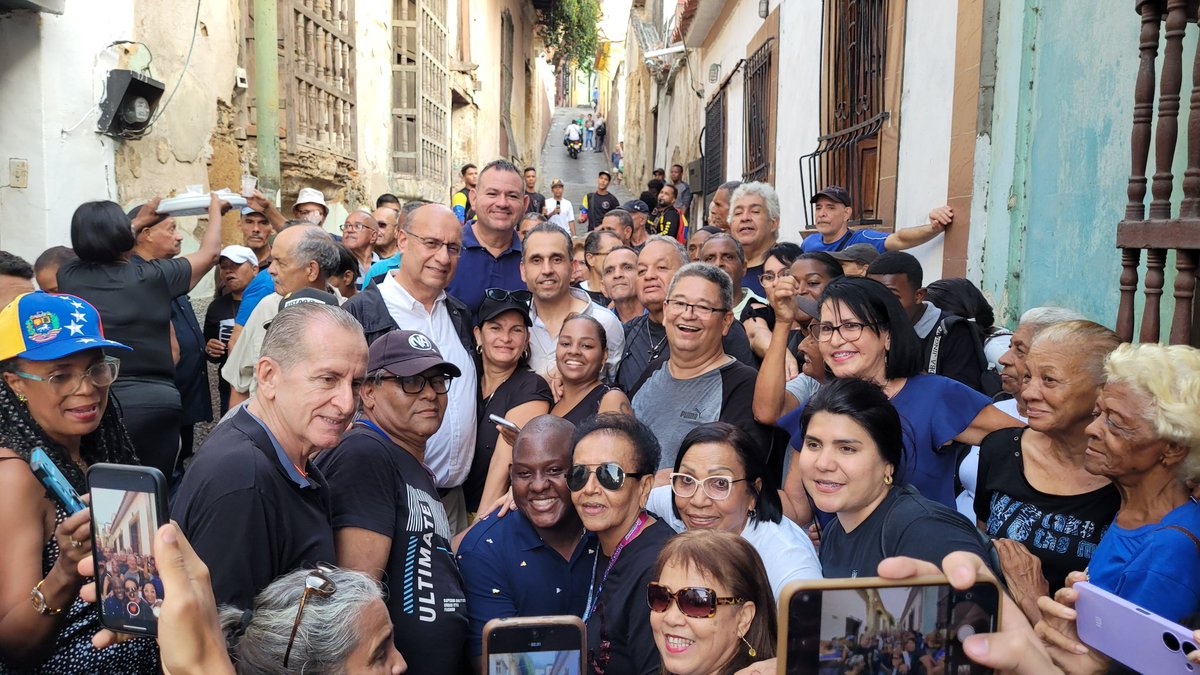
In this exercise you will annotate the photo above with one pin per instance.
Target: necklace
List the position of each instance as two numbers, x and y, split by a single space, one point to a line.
655 348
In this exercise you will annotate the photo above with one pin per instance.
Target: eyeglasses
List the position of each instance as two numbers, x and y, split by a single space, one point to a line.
701 311
316 583
850 330
432 246
355 227
415 384
770 277
64 384
717 488
501 295
610 475
696 602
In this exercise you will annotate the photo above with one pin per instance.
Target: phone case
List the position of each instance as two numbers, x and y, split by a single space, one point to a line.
47 472
1127 633
532 623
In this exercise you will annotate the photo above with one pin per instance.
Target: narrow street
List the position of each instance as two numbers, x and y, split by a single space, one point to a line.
578 175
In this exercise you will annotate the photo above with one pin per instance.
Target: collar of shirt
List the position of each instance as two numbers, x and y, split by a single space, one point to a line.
928 321
284 461
575 293
470 241
395 294
524 537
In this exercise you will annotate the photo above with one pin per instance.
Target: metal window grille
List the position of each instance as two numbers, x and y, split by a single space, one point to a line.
854 45
319 75
420 90
758 114
714 143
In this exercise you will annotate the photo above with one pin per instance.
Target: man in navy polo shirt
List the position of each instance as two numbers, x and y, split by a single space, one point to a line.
491 253
537 560
832 211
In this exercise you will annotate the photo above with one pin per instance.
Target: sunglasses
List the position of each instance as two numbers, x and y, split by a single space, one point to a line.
316 583
501 295
696 602
610 475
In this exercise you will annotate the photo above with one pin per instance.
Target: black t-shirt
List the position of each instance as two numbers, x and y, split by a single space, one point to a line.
537 202
134 302
904 523
959 354
622 617
1061 530
589 405
645 341
522 387
248 520
668 223
376 485
598 205
218 325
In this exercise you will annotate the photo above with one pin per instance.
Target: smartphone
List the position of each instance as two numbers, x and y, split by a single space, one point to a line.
1135 637
47 472
129 504
535 644
873 625
505 423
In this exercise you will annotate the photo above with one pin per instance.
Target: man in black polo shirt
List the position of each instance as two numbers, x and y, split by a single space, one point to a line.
251 504
387 518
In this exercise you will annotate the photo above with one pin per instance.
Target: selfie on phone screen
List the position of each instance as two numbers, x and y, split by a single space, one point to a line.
130 589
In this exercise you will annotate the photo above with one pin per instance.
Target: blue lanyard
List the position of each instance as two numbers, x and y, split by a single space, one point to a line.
632 534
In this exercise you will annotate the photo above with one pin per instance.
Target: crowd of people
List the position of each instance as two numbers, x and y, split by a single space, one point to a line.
131 588
459 412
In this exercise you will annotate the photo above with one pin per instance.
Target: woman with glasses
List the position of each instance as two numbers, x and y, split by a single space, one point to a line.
720 482
863 333
852 464
507 388
581 355
612 471
711 607
55 398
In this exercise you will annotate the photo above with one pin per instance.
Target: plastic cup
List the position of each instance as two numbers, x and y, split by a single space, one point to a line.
248 185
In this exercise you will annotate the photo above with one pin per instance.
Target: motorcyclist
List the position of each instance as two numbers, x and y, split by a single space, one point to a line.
573 133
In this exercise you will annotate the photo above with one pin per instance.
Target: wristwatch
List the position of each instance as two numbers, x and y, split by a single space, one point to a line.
39 601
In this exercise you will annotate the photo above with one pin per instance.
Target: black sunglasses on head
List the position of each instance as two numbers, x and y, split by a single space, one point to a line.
610 475
501 295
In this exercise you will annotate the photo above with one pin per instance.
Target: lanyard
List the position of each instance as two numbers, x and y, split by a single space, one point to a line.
638 526
372 426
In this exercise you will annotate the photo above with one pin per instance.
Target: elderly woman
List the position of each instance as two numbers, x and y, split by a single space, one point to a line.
612 471
699 382
863 333
850 460
134 298
720 482
55 397
507 388
1033 490
581 355
712 611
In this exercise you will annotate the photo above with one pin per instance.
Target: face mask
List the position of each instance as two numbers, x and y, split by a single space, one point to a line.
313 217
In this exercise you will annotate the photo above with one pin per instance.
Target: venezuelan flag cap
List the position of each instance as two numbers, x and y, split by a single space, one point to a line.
42 327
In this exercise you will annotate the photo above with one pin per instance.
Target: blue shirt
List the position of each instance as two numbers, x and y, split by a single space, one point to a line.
384 266
260 287
813 242
509 571
284 461
1154 567
478 270
933 411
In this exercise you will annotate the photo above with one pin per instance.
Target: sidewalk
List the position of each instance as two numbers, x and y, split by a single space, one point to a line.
578 175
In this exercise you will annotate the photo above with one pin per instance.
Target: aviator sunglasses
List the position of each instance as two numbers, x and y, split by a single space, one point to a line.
610 475
696 602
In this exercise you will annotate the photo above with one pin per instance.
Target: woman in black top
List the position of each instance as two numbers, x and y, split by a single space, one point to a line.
134 301
1032 486
613 461
849 458
581 355
507 388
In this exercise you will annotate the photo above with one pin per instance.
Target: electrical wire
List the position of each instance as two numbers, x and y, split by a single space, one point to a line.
179 81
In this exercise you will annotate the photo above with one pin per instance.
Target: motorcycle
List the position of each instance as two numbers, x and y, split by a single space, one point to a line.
574 148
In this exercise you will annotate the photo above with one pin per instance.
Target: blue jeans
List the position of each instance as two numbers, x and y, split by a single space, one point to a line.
587 138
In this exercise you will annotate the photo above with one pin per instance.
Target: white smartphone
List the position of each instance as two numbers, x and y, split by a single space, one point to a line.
505 423
1129 634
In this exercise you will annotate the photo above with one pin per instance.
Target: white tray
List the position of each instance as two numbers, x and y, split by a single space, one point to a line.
197 204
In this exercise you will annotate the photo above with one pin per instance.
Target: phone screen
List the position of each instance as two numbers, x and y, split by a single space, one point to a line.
890 629
124 522
546 648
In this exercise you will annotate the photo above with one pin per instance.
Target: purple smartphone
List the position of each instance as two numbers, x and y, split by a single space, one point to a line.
1131 635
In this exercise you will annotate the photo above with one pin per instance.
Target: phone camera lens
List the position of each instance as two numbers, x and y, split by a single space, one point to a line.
1188 648
1171 642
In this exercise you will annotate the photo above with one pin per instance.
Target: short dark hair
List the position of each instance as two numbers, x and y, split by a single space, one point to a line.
754 466
54 256
346 261
645 444
101 232
655 185
12 265
660 170
962 298
387 198
875 306
591 243
411 206
546 227
709 229
677 166
833 268
899 262
785 252
730 186
670 187
866 404
499 165
718 235
466 167
528 169
622 215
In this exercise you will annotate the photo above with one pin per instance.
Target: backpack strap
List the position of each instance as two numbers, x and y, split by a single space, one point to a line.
844 242
1185 532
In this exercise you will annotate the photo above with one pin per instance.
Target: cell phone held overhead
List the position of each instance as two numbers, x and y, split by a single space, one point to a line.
55 482
129 504
873 625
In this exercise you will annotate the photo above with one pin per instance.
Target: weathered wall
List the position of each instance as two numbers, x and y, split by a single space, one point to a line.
799 110
640 90
373 60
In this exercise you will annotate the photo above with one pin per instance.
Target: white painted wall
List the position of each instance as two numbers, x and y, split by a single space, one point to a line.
925 110
52 69
799 107
374 55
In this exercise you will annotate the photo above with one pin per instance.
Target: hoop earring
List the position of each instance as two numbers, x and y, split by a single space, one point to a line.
887 480
478 349
751 650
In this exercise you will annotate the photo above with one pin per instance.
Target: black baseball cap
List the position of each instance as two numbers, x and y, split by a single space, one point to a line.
835 192
405 353
307 295
863 254
605 174
636 206
490 309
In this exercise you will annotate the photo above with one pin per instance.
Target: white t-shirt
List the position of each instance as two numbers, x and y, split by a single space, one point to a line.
573 132
565 215
968 470
786 551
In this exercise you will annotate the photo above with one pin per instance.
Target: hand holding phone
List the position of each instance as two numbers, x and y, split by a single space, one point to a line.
505 423
1135 637
48 473
534 644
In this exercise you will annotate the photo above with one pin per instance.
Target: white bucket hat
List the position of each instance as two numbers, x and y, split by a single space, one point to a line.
311 196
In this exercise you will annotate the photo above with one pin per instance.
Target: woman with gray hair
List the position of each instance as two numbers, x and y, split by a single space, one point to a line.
320 621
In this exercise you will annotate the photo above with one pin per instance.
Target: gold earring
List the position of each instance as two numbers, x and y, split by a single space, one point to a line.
753 652
22 399
887 480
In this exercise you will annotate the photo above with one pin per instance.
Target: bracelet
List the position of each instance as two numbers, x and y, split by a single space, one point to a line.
39 601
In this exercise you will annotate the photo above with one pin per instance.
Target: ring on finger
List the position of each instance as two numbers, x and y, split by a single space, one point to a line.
75 543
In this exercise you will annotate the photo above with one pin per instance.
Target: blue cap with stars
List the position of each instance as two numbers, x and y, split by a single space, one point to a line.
42 326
